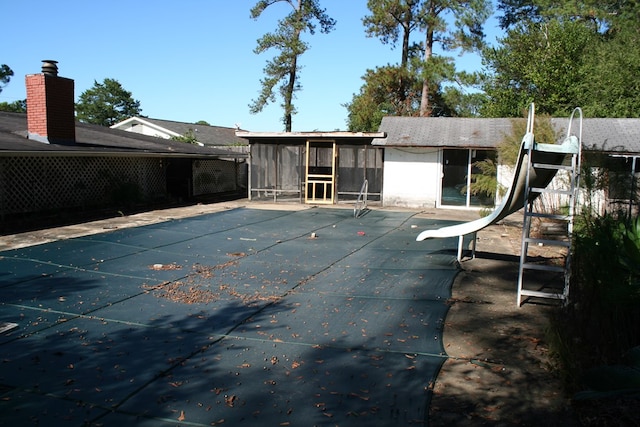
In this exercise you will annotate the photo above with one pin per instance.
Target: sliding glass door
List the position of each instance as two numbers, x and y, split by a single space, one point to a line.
458 170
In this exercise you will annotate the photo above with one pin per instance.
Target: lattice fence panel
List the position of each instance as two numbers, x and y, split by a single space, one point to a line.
33 184
216 176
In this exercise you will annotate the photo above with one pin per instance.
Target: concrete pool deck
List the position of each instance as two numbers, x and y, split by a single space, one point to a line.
494 371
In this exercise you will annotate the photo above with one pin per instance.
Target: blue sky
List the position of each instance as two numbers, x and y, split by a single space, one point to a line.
193 60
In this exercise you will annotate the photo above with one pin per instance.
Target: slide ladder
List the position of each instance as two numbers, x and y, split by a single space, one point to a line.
564 220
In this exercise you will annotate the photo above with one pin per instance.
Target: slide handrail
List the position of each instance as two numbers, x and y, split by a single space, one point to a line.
361 202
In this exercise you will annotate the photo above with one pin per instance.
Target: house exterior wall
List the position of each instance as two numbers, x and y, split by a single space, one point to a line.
411 177
143 129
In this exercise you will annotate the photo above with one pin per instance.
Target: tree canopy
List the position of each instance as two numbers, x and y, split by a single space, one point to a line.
537 62
283 69
423 83
5 75
15 106
565 54
451 24
106 104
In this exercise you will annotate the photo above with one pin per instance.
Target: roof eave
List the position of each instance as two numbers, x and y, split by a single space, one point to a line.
310 135
142 121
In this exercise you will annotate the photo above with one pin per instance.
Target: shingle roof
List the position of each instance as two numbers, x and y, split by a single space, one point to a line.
208 135
97 140
611 135
442 132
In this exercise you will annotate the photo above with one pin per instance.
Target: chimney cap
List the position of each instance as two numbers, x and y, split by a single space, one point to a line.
49 67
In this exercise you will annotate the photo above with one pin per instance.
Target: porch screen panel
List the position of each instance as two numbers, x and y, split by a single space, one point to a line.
355 164
350 175
623 184
373 172
275 171
289 171
263 171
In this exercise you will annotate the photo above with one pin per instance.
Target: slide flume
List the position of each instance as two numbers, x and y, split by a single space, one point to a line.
539 177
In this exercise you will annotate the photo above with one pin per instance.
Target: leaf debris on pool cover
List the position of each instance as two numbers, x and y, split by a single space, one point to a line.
198 287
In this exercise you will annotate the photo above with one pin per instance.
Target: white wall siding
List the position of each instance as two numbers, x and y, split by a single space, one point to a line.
411 177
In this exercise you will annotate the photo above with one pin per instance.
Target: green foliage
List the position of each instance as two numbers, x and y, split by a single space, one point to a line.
630 257
202 122
106 104
5 75
452 24
602 321
509 147
541 62
391 21
610 86
14 107
461 103
600 250
485 182
283 69
388 91
189 137
565 54
602 16
394 91
608 381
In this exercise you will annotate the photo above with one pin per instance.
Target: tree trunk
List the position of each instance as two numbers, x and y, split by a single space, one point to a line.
425 107
288 97
406 32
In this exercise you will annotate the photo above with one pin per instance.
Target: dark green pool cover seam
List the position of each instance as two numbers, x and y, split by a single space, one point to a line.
82 269
141 248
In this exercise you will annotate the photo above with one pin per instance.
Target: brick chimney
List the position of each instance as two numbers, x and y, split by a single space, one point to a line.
50 106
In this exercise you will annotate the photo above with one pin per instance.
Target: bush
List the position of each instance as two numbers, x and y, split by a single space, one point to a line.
601 323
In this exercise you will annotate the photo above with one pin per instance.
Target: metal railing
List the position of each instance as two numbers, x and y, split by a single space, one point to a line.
361 202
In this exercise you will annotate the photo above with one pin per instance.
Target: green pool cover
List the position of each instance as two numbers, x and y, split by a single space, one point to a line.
242 317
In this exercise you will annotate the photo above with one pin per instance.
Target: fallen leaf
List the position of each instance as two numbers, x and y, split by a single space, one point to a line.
181 417
229 400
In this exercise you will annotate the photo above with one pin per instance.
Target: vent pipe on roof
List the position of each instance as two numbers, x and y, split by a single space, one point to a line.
49 67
